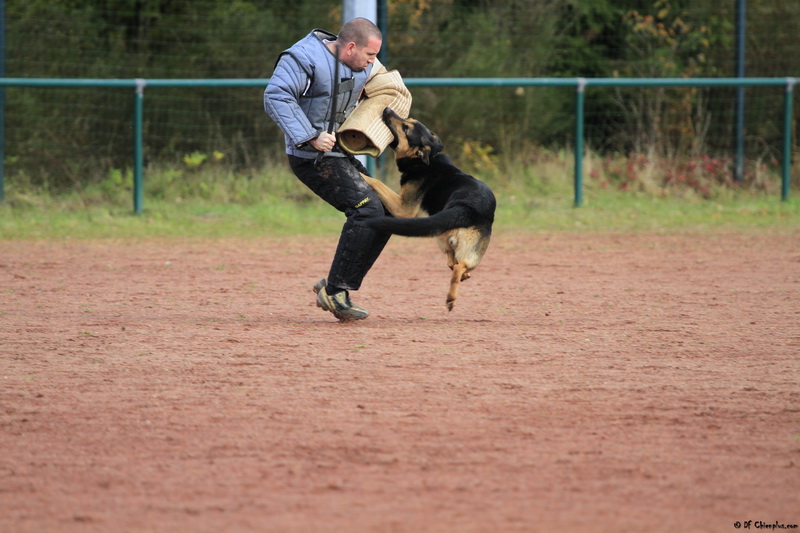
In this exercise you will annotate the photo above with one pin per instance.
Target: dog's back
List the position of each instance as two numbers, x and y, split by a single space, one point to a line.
451 198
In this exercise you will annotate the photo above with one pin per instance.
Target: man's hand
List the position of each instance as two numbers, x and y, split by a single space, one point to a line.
324 142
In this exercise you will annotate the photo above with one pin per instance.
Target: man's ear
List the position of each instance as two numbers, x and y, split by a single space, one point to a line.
345 50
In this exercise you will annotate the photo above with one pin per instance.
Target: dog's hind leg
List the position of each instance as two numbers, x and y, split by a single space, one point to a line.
460 272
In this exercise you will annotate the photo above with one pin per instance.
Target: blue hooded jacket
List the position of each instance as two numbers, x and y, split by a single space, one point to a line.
299 93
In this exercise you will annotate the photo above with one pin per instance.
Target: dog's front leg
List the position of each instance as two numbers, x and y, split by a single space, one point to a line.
390 199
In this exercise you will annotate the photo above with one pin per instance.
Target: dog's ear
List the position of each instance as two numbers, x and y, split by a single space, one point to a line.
425 154
436 146
433 147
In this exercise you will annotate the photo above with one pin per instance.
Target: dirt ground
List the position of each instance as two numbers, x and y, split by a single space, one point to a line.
583 382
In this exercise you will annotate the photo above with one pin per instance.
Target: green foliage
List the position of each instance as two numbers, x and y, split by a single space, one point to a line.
63 140
64 137
665 44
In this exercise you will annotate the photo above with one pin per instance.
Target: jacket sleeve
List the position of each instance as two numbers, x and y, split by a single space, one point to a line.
282 97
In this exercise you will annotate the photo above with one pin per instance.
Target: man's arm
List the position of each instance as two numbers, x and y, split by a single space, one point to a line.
281 101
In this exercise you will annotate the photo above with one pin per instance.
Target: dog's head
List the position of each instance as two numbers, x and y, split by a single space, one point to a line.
412 140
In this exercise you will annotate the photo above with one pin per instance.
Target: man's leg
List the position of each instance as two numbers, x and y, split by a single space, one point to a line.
338 182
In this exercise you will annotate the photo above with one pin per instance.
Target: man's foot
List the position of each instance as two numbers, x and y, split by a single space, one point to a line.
339 304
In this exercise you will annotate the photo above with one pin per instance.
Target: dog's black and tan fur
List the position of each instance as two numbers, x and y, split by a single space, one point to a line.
435 199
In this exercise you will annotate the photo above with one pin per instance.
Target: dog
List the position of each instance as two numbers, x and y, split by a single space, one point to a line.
436 199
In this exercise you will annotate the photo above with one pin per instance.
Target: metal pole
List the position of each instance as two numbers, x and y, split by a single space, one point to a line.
739 116
138 152
2 100
367 9
360 8
787 138
383 17
579 105
382 22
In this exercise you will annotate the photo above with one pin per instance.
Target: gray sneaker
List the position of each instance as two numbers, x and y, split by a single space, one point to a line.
340 305
320 285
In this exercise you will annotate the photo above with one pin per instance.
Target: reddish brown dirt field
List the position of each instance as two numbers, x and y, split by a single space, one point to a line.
582 383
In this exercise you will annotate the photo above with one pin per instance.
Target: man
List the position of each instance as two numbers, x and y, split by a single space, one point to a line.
300 100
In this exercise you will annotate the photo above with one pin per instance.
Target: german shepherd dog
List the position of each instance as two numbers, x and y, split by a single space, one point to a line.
436 199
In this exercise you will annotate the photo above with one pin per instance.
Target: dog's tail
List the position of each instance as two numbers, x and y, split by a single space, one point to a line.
421 227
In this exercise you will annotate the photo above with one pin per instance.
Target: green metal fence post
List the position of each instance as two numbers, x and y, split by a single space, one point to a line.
579 104
787 138
2 100
739 107
2 144
138 157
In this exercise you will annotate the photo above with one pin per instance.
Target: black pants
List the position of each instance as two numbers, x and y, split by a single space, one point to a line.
337 181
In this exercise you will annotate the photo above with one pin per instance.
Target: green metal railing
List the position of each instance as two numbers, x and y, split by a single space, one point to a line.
580 85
